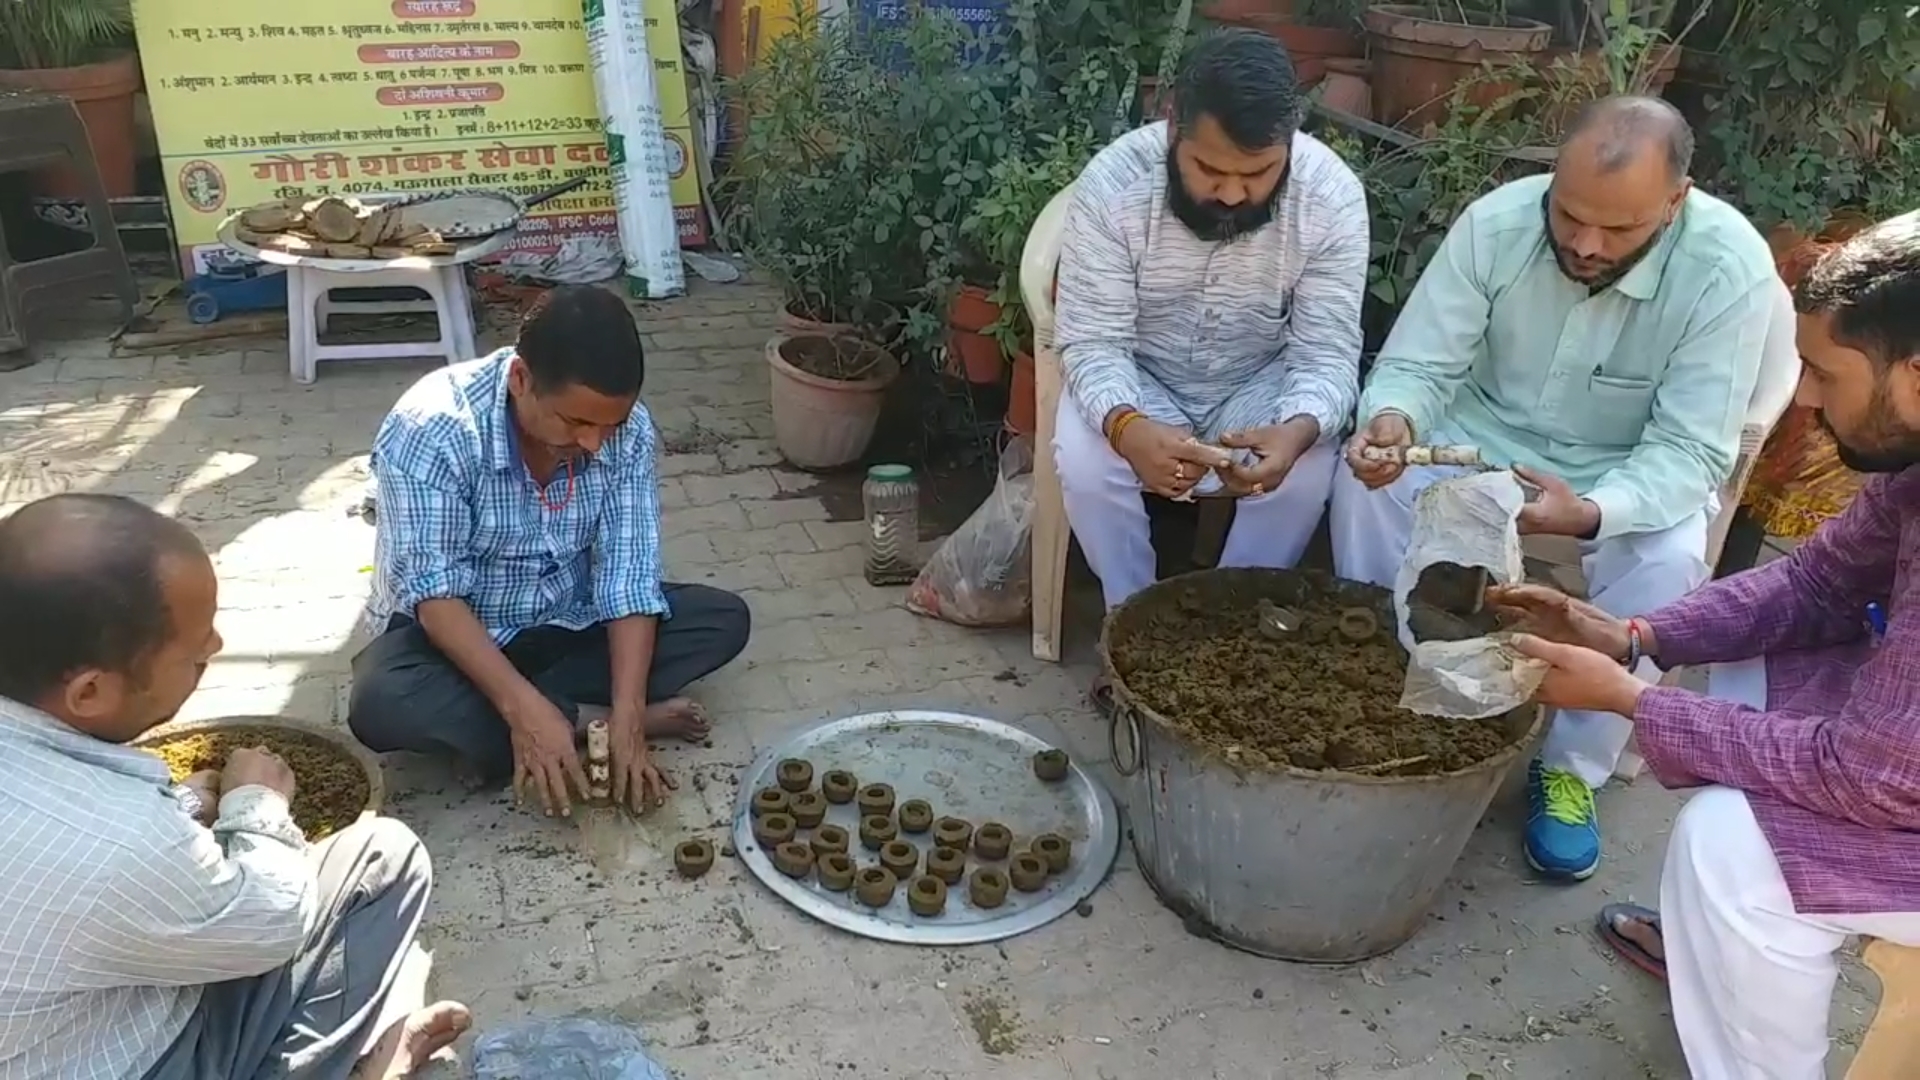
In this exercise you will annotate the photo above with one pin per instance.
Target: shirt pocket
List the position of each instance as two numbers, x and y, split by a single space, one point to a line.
1616 411
1263 325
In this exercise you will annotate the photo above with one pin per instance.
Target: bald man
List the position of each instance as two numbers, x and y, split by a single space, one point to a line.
156 932
1599 330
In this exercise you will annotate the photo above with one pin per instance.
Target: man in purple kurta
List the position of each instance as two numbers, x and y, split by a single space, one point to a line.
1807 742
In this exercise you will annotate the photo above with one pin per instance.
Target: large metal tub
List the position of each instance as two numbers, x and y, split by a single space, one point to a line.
1324 867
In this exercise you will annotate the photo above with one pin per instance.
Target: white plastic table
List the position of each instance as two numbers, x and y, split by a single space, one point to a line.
311 278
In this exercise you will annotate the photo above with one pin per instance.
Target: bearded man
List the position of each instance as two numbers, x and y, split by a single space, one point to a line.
1599 330
1209 317
1806 744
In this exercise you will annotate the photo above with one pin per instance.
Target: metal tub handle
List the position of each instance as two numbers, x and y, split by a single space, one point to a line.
1123 713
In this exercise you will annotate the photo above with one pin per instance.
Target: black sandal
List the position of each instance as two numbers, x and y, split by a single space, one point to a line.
1606 925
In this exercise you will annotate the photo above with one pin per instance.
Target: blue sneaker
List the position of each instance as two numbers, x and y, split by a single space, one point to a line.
1563 829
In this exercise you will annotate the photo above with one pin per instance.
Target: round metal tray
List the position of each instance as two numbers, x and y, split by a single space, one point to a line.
968 767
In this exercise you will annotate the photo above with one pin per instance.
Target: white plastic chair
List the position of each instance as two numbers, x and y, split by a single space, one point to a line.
1039 262
1772 393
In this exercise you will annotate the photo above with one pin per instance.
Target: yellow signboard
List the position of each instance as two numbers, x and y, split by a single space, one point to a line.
256 100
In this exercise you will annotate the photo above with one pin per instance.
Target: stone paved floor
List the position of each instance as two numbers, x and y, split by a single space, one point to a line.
727 982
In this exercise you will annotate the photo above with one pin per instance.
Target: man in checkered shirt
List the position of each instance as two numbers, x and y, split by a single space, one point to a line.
518 575
154 932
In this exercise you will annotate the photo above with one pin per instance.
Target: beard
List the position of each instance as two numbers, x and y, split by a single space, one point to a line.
1613 272
1216 222
1892 448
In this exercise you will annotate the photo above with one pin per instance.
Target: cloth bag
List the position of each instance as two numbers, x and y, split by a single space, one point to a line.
1467 521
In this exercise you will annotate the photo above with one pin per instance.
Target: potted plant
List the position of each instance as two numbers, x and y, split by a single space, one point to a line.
827 392
1607 47
1021 187
817 144
81 50
1421 52
1797 135
998 227
1315 32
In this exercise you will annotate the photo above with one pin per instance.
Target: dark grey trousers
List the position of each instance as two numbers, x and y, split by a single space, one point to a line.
408 696
311 1019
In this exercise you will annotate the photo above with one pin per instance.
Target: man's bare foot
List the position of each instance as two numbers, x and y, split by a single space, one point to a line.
409 1044
1643 933
677 717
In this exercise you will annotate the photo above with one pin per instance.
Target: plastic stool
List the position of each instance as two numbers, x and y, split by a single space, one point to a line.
38 131
310 306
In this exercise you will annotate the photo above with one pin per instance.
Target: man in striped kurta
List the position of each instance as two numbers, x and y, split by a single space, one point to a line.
1209 317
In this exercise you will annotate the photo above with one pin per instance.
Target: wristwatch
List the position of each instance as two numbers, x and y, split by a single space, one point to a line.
189 800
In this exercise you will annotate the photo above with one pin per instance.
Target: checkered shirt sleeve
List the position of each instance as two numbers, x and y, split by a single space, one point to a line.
628 572
1855 758
426 513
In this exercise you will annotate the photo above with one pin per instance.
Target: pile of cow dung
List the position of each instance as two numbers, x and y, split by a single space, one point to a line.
1313 698
336 228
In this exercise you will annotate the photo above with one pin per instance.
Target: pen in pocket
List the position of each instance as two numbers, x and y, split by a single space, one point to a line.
1877 621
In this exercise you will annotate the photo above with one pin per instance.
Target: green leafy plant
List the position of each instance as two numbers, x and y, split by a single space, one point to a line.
1417 188
793 182
862 152
1023 184
1801 126
38 34
880 169
1892 182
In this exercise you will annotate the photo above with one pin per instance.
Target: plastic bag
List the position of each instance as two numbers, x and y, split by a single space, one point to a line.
982 574
564 1048
1466 521
637 147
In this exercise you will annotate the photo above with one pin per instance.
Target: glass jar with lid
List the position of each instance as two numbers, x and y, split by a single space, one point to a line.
890 498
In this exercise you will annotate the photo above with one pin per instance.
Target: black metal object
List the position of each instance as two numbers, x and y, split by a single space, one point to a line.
1746 539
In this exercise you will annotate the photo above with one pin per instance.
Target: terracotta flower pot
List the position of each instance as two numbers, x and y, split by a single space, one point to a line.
1022 407
1346 87
973 354
882 323
1418 60
1309 46
103 93
827 394
972 310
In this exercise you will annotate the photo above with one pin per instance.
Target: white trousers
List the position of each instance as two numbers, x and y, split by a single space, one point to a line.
1626 576
1751 979
1102 497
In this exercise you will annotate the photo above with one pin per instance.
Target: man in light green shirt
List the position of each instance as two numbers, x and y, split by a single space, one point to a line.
1600 330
